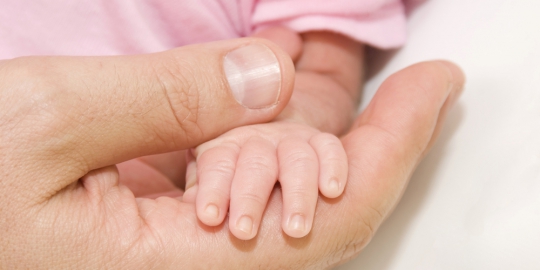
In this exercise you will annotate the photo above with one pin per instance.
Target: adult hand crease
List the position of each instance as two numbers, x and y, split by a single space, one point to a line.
67 120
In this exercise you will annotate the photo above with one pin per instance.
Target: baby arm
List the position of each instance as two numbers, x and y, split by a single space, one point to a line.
241 167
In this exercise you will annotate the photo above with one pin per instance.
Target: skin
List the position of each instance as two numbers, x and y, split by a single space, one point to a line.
298 149
61 202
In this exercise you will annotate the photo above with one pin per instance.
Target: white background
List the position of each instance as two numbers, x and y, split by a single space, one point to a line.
474 203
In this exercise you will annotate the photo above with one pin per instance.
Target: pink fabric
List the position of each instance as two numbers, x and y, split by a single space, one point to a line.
110 27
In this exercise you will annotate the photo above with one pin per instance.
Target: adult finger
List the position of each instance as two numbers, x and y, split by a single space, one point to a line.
394 132
84 113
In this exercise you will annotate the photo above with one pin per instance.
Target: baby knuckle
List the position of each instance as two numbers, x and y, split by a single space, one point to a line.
258 163
223 167
218 194
254 199
299 191
326 140
299 157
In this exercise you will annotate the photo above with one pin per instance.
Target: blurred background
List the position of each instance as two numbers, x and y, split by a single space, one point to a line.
474 202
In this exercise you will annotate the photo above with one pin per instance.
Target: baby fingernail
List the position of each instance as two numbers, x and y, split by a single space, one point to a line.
333 186
245 224
211 211
254 75
297 223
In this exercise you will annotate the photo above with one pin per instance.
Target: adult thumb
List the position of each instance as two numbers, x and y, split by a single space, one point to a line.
97 111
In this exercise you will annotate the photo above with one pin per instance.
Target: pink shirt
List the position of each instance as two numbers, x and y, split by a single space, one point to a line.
110 27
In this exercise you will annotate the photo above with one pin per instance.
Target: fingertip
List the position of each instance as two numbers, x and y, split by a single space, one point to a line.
297 226
441 71
331 188
287 39
210 214
457 80
243 227
457 74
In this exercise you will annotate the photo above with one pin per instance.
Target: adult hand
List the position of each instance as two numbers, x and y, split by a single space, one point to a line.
52 220
65 122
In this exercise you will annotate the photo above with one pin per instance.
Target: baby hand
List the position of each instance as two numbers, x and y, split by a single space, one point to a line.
242 166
